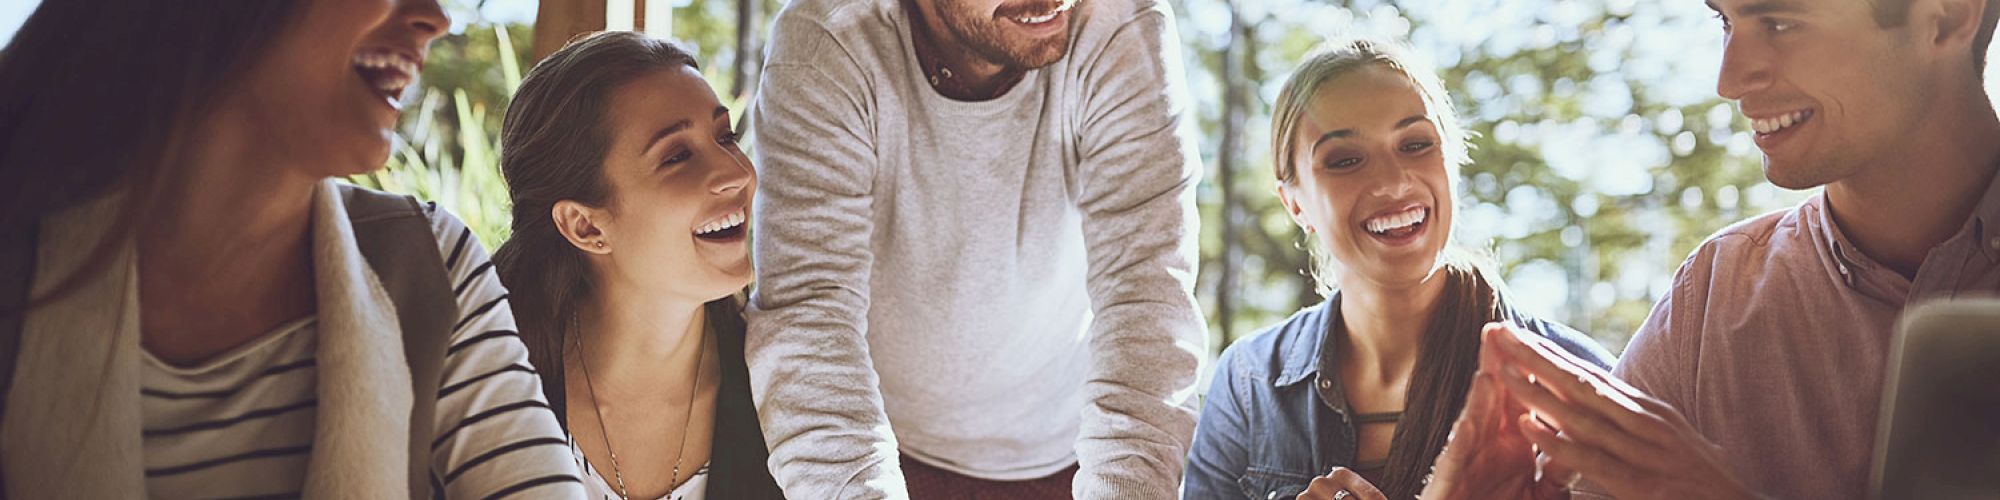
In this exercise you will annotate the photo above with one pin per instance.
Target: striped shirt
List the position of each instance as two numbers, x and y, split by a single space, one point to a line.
241 425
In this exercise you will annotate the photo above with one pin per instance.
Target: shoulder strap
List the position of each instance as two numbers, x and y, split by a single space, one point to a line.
395 236
17 276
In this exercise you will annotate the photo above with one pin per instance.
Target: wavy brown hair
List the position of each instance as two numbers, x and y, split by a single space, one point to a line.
553 143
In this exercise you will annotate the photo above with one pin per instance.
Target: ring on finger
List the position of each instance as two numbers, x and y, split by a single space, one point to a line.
1338 495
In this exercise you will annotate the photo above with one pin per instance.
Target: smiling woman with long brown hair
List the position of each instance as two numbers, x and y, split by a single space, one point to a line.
195 307
1356 396
630 247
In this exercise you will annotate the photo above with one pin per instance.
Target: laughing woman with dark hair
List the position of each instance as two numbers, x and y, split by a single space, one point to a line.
629 251
1355 397
191 306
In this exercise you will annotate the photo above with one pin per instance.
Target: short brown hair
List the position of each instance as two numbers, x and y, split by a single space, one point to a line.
1893 13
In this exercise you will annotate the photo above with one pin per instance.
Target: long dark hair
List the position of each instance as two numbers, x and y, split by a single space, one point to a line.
1446 361
553 143
97 97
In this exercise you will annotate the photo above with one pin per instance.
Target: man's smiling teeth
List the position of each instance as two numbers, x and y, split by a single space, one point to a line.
1037 19
1776 123
726 222
387 71
1398 220
1046 17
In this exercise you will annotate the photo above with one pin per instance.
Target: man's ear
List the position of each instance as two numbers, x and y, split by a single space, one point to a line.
1953 25
582 226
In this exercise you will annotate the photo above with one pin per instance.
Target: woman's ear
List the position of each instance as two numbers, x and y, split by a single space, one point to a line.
1287 196
580 225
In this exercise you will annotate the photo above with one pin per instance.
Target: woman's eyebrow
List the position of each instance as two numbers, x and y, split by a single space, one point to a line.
1348 132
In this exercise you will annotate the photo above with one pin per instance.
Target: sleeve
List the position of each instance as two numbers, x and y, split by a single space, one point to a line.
496 436
1660 360
1578 345
1147 340
816 390
1220 452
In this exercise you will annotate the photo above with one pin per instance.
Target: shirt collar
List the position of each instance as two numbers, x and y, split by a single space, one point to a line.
1848 261
1302 351
1980 226
1984 217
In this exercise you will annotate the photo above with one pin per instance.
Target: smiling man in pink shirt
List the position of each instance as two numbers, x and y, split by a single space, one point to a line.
1760 374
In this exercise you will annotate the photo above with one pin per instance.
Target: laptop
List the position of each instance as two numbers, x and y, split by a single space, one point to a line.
1939 437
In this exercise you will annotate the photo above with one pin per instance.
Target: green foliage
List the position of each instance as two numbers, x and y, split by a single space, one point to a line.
467 80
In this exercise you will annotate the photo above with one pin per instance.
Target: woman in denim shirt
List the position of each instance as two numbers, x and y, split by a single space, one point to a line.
1356 396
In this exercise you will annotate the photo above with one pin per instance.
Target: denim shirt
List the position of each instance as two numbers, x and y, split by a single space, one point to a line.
1265 432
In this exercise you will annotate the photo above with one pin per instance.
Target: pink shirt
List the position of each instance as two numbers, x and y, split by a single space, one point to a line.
1775 337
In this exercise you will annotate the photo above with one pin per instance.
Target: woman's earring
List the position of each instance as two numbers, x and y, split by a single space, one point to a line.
600 244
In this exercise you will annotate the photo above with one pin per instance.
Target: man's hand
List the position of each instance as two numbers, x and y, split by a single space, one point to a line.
1487 455
1634 445
1341 484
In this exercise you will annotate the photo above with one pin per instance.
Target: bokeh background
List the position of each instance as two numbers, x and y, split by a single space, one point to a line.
1602 154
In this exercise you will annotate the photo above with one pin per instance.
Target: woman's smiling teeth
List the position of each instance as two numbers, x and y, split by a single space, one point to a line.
1399 223
717 226
1774 124
387 72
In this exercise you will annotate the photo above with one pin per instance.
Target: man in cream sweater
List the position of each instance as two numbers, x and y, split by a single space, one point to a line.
976 250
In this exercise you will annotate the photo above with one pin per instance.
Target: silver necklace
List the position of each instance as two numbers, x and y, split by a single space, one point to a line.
604 433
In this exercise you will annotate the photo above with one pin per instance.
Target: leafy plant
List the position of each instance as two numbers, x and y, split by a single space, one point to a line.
446 151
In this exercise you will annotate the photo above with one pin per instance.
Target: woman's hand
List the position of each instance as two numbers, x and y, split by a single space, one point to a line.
1623 439
1341 484
1487 455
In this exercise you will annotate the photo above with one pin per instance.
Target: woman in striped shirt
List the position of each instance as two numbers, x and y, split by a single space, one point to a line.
631 207
209 317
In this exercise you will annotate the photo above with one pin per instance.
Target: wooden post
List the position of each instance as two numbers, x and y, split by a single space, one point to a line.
557 21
